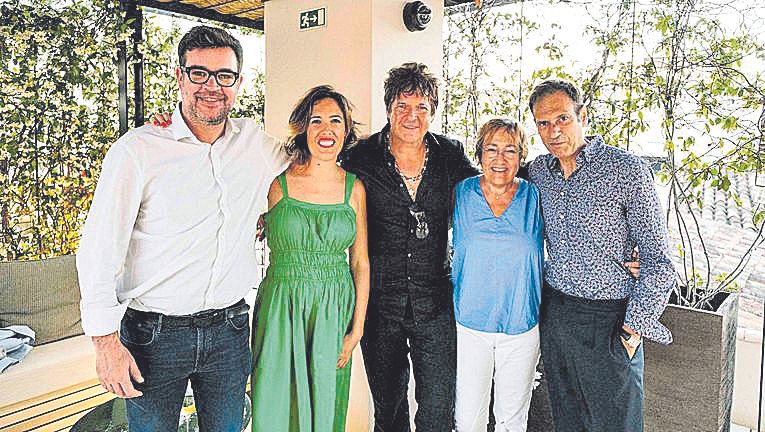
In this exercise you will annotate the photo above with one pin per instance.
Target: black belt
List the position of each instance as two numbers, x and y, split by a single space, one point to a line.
202 319
552 294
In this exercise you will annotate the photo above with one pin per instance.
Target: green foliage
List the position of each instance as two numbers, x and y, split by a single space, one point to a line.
475 41
251 101
52 57
58 104
685 73
160 58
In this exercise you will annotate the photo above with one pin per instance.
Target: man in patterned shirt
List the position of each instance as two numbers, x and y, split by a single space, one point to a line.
598 202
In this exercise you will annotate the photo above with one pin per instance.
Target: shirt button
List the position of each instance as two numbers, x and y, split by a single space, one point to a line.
401 184
562 194
411 231
409 255
561 215
408 278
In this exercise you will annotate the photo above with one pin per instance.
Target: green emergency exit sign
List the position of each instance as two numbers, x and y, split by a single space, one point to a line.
313 18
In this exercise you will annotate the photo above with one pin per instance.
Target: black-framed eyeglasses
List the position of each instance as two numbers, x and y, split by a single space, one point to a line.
200 75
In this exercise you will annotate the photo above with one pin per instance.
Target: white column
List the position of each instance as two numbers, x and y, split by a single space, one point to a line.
353 51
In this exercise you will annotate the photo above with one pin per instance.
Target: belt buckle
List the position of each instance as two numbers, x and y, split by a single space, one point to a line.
202 320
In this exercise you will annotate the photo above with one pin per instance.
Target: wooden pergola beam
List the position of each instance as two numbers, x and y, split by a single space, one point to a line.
206 13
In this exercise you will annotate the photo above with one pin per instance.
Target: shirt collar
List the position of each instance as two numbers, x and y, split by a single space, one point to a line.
180 129
593 147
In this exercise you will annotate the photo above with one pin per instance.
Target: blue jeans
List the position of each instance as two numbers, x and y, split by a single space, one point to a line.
215 358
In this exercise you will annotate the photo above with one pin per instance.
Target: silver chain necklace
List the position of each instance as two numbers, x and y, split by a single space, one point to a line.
409 181
421 228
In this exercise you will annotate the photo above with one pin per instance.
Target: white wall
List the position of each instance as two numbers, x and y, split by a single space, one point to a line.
747 378
362 40
393 45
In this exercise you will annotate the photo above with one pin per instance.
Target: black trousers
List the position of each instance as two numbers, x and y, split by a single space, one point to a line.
433 347
594 386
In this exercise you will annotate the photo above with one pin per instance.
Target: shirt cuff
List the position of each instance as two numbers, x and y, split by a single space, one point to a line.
98 320
648 327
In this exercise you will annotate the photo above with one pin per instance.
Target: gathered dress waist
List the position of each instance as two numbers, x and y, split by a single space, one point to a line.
313 265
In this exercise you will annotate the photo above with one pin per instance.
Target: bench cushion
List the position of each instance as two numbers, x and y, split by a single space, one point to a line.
42 294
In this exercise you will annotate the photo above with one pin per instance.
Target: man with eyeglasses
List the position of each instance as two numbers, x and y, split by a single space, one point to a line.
167 252
598 203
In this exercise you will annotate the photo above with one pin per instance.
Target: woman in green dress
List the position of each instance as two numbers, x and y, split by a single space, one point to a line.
310 310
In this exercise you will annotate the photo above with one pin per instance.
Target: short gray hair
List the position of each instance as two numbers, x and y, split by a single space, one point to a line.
512 128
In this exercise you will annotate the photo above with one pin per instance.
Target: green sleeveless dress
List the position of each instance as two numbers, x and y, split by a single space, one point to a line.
303 309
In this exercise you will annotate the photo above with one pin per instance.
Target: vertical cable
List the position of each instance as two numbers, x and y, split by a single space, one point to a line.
632 68
760 152
520 65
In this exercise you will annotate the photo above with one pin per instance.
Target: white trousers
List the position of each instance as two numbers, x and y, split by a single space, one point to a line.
511 361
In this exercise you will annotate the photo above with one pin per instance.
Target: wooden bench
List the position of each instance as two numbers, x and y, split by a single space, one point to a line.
55 411
51 388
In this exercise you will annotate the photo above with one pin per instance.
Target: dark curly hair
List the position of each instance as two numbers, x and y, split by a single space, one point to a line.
297 144
411 78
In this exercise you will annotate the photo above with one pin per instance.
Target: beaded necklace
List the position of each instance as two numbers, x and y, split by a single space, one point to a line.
410 182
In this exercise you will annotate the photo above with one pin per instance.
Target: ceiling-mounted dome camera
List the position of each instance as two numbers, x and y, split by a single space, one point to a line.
416 16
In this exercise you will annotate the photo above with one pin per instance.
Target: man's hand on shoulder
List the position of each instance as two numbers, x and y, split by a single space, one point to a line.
260 230
115 365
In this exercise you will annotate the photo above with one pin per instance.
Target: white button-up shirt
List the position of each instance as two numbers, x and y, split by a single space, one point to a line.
172 225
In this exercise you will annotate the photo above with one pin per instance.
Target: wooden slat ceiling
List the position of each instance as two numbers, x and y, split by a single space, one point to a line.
247 13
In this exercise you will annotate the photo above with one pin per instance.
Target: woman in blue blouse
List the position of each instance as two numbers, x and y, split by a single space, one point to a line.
497 275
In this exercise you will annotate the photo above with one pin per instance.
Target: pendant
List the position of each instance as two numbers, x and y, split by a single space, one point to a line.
421 231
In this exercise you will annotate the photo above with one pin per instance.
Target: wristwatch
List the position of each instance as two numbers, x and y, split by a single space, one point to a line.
632 340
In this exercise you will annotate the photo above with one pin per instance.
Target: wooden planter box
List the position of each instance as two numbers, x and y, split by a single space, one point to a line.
689 384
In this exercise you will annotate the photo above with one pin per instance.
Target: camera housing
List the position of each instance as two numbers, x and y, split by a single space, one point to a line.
417 16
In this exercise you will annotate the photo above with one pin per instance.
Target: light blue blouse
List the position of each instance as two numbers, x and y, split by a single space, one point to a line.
498 261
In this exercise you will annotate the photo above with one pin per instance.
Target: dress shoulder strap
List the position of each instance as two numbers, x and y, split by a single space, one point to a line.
349 180
283 183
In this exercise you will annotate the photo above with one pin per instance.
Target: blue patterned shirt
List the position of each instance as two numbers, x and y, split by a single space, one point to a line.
594 219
